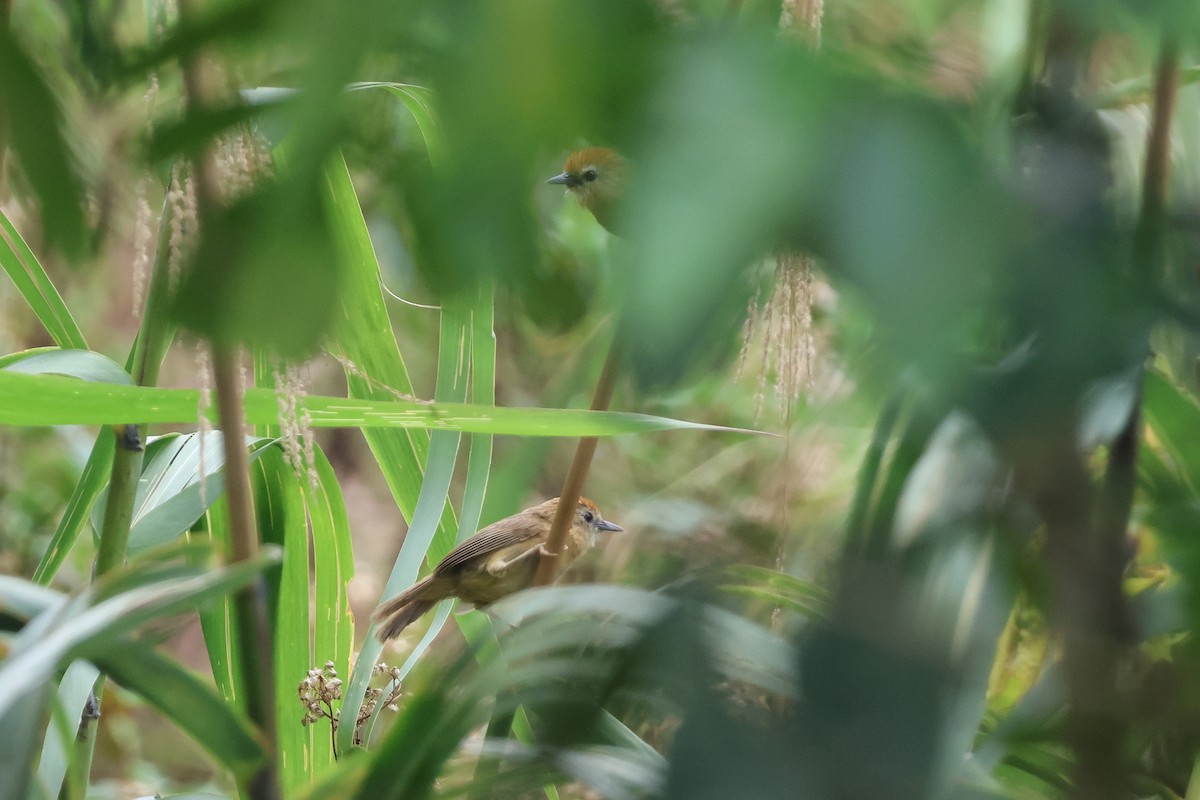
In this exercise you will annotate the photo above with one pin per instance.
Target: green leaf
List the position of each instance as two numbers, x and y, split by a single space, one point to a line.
419 102
87 490
282 521
171 495
333 567
797 149
23 723
537 664
83 364
951 486
273 243
453 368
125 600
34 124
58 748
182 697
36 287
218 621
52 400
744 650
375 368
23 600
1175 420
408 762
483 391
225 22
196 131
777 588
1139 90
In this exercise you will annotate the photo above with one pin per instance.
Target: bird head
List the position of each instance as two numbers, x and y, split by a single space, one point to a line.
596 177
589 515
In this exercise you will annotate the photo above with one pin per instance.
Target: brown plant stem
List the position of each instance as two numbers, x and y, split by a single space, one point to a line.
253 630
1100 742
1086 529
1158 158
577 474
1082 602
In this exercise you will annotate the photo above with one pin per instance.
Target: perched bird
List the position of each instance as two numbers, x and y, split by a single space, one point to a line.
495 562
597 177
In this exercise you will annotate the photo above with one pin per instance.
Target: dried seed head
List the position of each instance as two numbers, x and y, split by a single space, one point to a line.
181 202
295 423
802 18
204 426
785 324
241 162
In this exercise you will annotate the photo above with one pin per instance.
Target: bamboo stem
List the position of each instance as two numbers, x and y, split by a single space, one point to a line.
577 474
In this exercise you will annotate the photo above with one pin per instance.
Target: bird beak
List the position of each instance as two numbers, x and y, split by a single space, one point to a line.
605 525
563 179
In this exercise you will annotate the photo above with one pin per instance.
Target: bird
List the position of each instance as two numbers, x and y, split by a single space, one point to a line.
495 562
596 177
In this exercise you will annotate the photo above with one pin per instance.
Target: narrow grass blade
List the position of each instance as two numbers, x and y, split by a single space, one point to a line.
418 100
73 692
453 367
219 623
186 700
333 567
87 489
52 400
36 287
282 521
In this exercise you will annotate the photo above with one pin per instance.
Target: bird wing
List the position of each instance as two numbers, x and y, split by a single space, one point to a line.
491 539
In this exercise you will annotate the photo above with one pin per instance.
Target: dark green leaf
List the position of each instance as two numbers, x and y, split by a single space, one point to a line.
83 364
36 287
30 114
186 700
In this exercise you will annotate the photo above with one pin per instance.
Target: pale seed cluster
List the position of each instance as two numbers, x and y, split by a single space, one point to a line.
142 236
786 320
143 233
184 223
785 325
802 18
242 162
318 691
295 423
203 425
387 695
321 688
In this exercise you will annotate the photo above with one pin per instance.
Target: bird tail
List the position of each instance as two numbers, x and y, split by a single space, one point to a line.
405 608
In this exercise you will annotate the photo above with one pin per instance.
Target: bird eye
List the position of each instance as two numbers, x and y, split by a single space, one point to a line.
589 175
588 516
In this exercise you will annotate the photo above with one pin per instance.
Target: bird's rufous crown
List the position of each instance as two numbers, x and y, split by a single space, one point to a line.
589 157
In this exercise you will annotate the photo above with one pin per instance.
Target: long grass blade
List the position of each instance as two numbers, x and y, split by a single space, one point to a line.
333 567
39 400
36 287
453 369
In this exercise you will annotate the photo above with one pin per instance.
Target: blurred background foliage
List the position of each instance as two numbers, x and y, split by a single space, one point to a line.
944 250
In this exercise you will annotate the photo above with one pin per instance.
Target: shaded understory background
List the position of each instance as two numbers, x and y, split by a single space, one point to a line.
944 250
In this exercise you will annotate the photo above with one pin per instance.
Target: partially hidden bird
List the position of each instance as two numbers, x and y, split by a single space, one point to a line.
597 178
493 563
